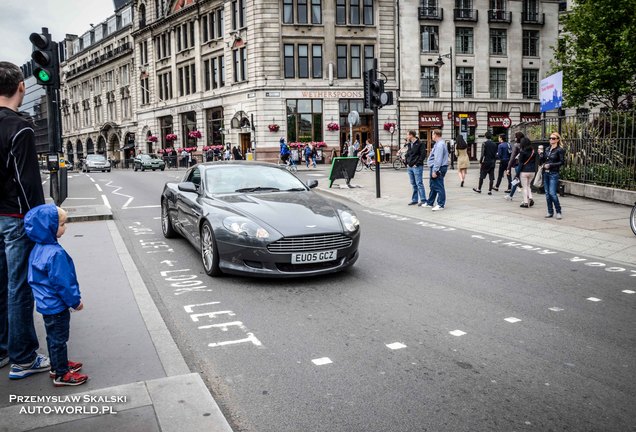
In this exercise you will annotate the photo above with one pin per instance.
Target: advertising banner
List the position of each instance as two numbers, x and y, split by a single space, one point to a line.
552 92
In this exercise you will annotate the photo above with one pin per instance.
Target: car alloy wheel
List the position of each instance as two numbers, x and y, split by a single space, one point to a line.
166 223
209 251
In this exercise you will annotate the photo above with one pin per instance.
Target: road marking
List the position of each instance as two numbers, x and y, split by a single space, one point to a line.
124 207
116 192
629 292
457 333
396 345
98 188
594 299
556 309
322 361
92 179
71 198
512 320
106 203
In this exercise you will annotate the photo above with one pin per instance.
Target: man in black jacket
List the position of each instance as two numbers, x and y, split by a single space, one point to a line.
20 191
487 162
415 156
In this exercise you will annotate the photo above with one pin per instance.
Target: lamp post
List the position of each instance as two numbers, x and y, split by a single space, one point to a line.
439 63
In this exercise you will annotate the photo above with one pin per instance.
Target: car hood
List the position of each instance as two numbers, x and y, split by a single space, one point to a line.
290 213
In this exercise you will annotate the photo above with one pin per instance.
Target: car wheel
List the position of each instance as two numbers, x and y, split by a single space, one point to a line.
135 168
166 222
143 168
163 168
107 170
154 169
209 251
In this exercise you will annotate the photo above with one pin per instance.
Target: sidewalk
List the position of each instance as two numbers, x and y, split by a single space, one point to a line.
589 227
138 379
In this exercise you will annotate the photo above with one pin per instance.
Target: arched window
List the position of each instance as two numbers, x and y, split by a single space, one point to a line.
142 15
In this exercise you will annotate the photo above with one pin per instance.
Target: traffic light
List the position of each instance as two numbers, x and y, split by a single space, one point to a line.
46 60
374 94
369 76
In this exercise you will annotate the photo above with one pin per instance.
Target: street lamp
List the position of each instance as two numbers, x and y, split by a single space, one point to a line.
439 63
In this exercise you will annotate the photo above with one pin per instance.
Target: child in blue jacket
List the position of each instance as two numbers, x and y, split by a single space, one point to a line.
55 288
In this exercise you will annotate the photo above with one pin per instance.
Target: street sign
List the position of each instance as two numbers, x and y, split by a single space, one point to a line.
353 118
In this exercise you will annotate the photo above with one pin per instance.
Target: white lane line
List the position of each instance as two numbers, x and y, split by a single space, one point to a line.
158 217
106 203
556 309
92 179
594 299
457 333
629 292
125 206
116 192
322 361
396 345
98 188
512 320
74 198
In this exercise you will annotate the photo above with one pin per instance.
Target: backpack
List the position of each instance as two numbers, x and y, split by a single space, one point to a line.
509 150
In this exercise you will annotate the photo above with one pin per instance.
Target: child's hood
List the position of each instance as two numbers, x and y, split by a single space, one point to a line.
41 224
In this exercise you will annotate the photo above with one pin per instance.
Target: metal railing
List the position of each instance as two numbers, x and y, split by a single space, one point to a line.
600 148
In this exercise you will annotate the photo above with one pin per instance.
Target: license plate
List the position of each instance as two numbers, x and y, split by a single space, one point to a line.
314 257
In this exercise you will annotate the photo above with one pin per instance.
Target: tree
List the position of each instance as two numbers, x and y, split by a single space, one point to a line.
597 53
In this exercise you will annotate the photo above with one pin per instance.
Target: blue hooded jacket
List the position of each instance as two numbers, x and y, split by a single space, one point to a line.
51 270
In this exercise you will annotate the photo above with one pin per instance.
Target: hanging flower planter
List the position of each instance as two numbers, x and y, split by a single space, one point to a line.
171 137
388 125
273 127
152 138
194 134
333 127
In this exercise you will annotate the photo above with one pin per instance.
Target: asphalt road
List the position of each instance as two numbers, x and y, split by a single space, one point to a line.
433 329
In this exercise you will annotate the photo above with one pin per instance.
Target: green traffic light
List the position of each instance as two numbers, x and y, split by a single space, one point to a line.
44 75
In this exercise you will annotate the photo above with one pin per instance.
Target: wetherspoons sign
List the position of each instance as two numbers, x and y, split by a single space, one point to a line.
327 94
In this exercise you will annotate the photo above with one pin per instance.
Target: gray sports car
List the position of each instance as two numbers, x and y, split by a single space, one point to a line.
259 219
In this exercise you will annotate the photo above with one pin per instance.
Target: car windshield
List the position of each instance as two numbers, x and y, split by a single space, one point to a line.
250 178
95 158
146 157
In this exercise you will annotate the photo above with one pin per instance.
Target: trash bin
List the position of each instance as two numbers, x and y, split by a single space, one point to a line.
249 156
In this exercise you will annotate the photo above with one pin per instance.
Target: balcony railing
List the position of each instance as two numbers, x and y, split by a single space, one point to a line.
499 16
534 18
465 14
430 13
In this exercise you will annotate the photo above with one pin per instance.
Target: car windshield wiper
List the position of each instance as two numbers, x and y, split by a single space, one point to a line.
296 189
258 188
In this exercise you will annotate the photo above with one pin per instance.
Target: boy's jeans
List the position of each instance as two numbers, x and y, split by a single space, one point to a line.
17 332
57 332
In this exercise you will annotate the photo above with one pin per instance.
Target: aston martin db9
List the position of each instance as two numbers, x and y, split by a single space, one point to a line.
259 219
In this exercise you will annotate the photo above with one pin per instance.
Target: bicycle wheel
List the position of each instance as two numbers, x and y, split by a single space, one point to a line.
293 168
360 165
397 164
632 219
372 166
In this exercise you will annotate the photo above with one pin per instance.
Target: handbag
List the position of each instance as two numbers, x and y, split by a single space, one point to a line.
538 179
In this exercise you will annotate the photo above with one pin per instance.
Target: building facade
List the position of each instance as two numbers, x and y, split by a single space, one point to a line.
245 73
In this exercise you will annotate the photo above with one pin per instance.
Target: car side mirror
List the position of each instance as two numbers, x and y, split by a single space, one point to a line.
312 183
188 187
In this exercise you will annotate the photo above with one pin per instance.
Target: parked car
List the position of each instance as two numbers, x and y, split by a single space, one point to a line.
145 161
94 162
259 219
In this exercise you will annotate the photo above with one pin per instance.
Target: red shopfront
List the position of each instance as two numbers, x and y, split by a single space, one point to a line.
530 117
499 123
428 121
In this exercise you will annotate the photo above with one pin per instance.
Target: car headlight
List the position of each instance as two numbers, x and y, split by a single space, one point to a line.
243 226
349 220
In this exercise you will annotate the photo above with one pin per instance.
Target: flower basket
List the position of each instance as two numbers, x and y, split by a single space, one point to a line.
152 138
273 127
194 134
388 126
333 126
320 144
171 137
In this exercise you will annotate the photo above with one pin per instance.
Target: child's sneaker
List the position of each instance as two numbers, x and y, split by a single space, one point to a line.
72 367
70 379
40 364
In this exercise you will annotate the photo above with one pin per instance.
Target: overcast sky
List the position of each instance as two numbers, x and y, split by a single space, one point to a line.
21 18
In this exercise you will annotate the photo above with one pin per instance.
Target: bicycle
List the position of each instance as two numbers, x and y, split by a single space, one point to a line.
399 162
363 164
289 164
632 219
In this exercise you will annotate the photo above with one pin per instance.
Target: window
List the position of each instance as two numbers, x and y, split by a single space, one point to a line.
187 79
341 51
304 120
341 12
109 79
316 61
498 83
498 42
238 14
185 36
355 61
529 83
429 36
303 61
164 82
143 52
368 57
165 126
358 12
124 75
498 5
288 11
464 8
214 125
464 81
87 114
239 57
97 86
367 14
429 81
213 72
464 40
316 11
531 10
125 107
144 85
290 71
530 43
212 25
302 11
162 46
354 12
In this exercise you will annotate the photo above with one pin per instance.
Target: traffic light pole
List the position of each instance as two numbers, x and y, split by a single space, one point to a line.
376 140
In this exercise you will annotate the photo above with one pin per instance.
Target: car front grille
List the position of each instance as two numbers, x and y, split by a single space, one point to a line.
310 243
